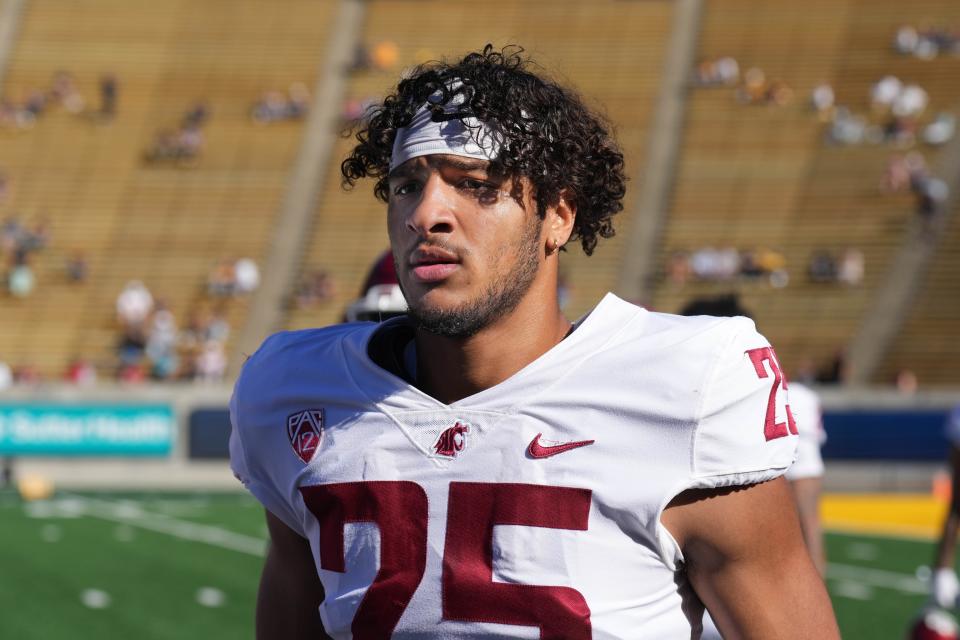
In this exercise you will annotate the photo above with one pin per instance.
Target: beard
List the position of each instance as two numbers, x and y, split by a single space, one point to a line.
500 298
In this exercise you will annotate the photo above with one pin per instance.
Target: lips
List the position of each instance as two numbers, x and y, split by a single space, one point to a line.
432 264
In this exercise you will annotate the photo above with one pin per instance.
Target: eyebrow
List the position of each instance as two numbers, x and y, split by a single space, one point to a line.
461 164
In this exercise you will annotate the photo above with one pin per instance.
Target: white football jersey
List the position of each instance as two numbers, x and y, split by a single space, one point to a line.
805 407
528 510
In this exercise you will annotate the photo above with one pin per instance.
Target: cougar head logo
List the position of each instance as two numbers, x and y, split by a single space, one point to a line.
452 440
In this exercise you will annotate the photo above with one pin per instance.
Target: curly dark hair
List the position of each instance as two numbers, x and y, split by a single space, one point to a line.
549 136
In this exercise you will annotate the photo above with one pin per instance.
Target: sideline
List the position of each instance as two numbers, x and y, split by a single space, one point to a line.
877 578
133 514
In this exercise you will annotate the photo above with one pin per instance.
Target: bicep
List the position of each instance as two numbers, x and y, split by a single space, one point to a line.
746 559
290 589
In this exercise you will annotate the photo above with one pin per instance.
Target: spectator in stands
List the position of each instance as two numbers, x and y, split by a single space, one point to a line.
753 90
884 92
81 373
705 263
196 116
36 103
847 127
315 287
353 109
717 72
906 382
77 268
678 268
184 145
910 102
823 100
27 374
906 39
361 59
134 304
926 44
750 265
108 96
822 267
273 106
246 276
851 268
385 55
941 130
221 281
932 196
161 343
773 264
64 92
218 329
903 172
211 362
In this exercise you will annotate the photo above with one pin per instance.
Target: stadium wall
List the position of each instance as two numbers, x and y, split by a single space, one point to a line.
96 438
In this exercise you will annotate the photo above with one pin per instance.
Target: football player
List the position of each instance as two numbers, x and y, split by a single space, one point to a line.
482 467
945 587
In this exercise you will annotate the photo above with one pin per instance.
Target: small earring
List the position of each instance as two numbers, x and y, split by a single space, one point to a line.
554 245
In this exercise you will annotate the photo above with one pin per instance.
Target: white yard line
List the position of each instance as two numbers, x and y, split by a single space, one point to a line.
877 578
133 514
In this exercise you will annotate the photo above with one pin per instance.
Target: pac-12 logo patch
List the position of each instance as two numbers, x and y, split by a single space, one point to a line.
305 428
452 440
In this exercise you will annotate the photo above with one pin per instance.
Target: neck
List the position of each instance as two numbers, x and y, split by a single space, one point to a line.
450 369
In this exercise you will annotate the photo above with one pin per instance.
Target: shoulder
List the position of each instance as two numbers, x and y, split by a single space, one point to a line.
686 341
293 367
290 343
288 353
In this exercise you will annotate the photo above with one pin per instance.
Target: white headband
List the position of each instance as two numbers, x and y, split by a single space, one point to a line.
468 138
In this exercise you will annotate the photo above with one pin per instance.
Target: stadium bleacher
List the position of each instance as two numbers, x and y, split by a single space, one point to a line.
748 176
166 226
758 176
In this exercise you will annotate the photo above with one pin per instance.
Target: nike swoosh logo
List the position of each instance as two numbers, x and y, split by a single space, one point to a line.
537 450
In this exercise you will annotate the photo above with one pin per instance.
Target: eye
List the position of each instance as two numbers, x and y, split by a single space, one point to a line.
406 188
484 192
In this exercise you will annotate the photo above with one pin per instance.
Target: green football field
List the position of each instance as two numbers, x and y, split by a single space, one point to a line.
176 566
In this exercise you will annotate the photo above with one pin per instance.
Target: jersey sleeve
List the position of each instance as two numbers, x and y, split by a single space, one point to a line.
251 464
745 433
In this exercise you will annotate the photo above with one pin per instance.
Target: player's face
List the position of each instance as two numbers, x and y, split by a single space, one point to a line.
467 247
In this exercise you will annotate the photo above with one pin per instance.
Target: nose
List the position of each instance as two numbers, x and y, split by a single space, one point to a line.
433 211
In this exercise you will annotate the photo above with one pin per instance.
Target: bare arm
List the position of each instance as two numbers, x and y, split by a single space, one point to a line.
747 561
290 590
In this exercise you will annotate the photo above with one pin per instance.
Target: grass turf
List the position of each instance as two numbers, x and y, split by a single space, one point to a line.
52 553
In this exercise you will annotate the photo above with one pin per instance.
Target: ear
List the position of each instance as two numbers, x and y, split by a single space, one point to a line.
558 223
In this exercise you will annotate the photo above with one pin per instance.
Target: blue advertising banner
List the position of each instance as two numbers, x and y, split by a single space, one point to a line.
86 429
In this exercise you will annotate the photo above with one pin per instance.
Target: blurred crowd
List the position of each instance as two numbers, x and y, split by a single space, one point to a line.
728 264
183 144
19 243
63 92
153 346
926 43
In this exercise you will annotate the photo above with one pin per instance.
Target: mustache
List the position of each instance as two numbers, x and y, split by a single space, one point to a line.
441 245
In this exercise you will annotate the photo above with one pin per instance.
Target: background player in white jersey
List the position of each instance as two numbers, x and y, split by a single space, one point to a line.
806 473
484 468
